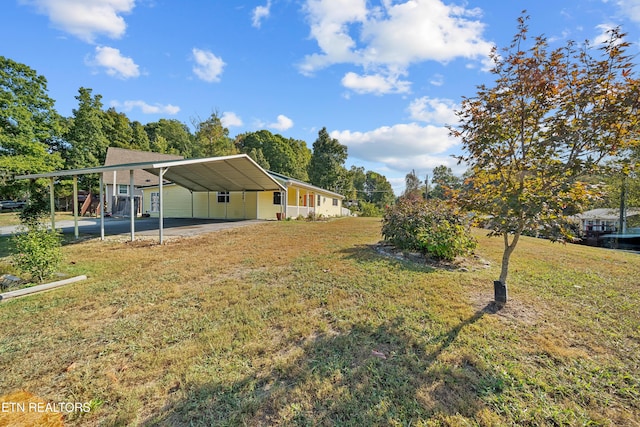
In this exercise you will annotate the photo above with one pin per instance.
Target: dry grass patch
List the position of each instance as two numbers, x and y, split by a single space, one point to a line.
303 323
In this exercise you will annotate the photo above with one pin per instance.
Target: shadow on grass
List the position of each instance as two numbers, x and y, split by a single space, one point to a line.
364 376
367 253
6 246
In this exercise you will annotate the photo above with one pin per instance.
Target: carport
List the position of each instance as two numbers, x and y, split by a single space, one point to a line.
228 173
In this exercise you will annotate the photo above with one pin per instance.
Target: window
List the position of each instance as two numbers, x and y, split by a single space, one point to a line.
123 189
318 204
277 198
223 197
335 202
155 202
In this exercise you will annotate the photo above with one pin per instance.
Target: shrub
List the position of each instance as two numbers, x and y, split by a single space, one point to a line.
433 227
369 209
38 251
37 206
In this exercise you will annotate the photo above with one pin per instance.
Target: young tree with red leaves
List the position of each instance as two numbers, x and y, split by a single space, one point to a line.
551 117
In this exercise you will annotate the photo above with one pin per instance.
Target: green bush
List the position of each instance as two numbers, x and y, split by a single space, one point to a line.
37 251
433 227
369 209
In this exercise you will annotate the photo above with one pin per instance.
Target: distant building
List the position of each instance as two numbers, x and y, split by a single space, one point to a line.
117 183
603 220
596 223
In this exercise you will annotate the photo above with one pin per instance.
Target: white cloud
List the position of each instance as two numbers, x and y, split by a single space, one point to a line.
329 21
630 8
260 13
147 108
419 30
400 147
423 164
85 19
387 39
229 119
375 83
604 35
116 65
208 66
437 80
434 110
283 123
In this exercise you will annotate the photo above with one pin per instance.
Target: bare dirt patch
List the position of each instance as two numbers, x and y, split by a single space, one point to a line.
471 263
514 311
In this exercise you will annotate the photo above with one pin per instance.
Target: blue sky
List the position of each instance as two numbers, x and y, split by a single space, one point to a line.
383 76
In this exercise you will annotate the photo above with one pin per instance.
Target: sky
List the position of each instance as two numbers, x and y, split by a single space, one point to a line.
385 77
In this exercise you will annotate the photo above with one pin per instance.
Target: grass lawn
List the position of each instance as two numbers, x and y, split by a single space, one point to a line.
298 323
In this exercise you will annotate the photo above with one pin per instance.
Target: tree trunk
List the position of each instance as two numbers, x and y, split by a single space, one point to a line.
500 286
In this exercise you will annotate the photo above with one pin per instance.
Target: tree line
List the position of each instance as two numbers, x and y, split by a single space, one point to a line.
34 138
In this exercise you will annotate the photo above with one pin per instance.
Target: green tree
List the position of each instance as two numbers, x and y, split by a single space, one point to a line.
326 168
171 136
117 129
413 188
159 144
259 157
378 190
550 118
444 182
370 188
301 159
357 177
29 126
86 135
139 137
212 138
274 152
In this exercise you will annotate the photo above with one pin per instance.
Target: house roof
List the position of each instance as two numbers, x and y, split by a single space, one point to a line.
292 181
119 156
606 214
228 173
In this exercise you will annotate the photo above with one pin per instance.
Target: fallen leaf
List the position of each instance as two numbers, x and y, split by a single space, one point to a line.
378 354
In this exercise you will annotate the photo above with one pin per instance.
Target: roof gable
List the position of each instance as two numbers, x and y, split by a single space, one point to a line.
119 156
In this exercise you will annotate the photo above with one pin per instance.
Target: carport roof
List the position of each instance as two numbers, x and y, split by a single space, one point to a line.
228 173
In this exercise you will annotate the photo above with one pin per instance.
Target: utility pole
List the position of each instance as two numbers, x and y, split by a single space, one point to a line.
427 190
623 206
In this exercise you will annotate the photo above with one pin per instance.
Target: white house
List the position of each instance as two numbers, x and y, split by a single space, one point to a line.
603 220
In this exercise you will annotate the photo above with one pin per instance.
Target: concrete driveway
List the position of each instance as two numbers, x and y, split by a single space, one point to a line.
173 227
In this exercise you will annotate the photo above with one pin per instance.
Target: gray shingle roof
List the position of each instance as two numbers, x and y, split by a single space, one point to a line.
606 213
119 156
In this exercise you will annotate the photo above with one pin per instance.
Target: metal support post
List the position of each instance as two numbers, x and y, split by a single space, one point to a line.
101 205
52 203
75 207
132 207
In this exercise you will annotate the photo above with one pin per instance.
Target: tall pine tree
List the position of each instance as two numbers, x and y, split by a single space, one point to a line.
326 168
